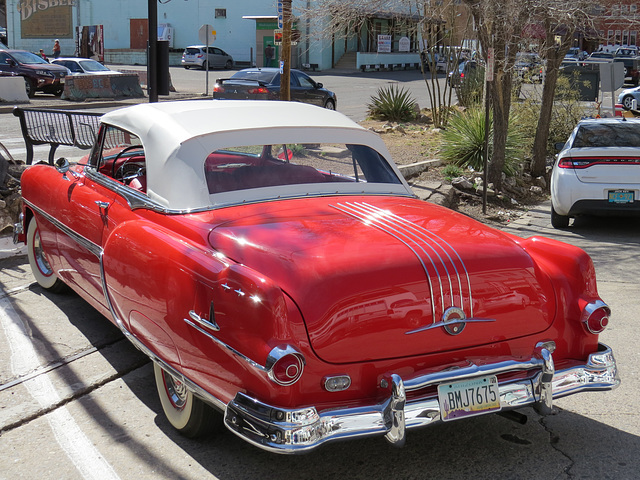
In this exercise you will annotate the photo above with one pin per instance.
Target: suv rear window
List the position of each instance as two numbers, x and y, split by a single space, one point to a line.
623 134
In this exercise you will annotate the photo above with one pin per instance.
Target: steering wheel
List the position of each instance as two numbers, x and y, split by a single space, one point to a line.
127 176
122 152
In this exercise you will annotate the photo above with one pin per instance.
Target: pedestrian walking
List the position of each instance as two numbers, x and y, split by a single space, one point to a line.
269 52
56 49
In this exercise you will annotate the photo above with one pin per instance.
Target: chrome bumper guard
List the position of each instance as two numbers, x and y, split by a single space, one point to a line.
298 431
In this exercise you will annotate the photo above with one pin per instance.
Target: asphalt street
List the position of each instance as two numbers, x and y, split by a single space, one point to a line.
77 401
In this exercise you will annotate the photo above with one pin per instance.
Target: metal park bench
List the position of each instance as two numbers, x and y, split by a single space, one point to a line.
42 126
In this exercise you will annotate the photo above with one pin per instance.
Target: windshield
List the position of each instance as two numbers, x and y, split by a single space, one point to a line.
28 58
625 134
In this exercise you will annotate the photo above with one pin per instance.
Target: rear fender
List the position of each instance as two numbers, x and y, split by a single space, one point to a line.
573 275
153 273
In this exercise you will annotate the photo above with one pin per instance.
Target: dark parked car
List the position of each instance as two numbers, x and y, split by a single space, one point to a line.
39 75
264 84
464 71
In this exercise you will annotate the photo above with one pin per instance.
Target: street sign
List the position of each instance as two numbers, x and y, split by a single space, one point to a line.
280 21
611 76
206 34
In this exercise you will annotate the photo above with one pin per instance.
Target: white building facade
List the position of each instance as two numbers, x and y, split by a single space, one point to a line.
116 31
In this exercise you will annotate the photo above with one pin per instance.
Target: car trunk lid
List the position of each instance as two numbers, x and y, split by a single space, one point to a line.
607 165
379 279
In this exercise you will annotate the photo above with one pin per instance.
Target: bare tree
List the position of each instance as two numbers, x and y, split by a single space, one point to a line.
500 25
442 38
560 19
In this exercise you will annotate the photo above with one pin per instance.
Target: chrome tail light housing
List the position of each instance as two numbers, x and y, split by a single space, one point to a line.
595 316
285 365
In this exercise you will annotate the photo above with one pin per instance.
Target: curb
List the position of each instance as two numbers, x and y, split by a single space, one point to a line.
415 169
8 249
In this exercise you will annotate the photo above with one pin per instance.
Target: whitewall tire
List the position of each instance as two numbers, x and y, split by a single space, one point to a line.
185 412
42 271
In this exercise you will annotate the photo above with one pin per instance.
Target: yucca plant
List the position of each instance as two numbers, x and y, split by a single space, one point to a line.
392 103
463 141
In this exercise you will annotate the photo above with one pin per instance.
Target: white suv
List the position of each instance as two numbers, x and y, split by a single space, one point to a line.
195 56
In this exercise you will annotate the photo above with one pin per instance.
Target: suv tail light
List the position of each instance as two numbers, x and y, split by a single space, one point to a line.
595 317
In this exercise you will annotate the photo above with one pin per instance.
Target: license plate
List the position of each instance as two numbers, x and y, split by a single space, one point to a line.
621 196
469 398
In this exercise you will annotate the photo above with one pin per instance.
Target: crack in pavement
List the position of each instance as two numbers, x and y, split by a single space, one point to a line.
554 441
76 395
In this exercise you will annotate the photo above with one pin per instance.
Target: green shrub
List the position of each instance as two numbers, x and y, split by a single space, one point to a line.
463 142
392 103
452 171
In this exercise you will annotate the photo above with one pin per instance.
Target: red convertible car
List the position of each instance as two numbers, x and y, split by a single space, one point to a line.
278 270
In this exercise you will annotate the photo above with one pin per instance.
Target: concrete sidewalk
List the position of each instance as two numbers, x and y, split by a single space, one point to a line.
9 249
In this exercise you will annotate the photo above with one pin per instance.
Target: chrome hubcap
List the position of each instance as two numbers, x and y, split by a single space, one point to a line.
176 391
38 254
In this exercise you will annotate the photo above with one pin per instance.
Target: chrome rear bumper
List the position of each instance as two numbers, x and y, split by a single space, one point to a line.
300 430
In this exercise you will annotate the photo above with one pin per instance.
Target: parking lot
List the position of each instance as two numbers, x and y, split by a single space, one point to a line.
78 401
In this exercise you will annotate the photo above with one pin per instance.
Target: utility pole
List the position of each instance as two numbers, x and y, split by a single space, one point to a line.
285 53
152 61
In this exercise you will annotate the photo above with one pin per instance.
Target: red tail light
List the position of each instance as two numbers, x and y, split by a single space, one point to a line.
595 317
217 88
258 90
285 365
565 163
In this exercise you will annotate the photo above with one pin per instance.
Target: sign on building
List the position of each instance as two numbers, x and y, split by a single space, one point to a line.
384 43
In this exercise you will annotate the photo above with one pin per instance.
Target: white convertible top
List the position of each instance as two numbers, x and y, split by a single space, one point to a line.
178 136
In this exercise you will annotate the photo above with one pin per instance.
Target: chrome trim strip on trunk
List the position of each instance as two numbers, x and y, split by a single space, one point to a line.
418 238
303 430
421 231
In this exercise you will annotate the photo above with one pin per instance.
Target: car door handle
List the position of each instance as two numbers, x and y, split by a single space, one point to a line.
102 205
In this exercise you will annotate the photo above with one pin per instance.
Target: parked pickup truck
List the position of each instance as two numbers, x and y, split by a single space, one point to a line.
631 61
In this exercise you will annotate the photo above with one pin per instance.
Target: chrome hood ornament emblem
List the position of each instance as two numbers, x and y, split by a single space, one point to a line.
453 322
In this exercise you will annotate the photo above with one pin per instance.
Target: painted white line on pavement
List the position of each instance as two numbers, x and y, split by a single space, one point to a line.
24 359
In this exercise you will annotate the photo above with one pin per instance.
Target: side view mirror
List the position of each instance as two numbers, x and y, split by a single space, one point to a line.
319 85
62 166
559 146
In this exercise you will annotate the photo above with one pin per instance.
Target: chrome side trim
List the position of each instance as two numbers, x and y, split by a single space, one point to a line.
292 431
203 322
227 347
191 385
135 199
84 242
